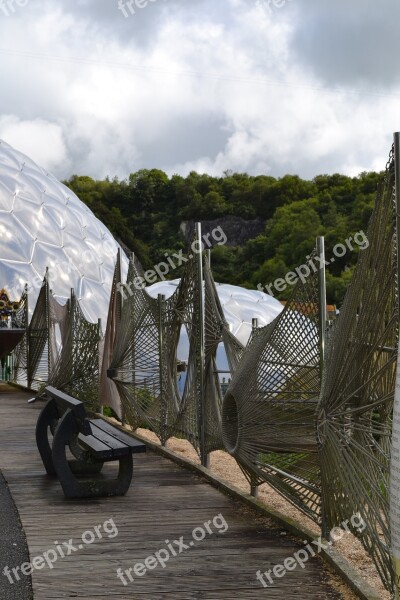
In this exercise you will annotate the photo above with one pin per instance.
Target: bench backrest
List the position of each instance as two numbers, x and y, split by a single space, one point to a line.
64 402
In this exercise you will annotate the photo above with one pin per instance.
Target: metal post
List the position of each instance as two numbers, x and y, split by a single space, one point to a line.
48 319
202 416
12 359
163 412
394 494
208 257
397 187
322 300
27 337
133 355
119 297
7 365
100 360
322 341
72 307
254 489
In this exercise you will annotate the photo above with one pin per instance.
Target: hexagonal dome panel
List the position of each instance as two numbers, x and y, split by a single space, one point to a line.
240 306
44 224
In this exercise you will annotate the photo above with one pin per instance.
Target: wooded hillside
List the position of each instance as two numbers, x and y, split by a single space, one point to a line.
146 212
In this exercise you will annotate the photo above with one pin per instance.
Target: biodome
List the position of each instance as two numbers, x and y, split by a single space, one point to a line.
44 224
240 307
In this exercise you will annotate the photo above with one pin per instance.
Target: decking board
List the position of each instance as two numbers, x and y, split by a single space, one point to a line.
163 503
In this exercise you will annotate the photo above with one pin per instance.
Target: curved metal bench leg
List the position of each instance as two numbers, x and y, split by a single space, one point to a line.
88 487
85 468
97 487
66 428
125 473
47 416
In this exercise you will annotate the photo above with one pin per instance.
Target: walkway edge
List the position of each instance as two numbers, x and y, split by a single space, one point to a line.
14 549
330 555
21 387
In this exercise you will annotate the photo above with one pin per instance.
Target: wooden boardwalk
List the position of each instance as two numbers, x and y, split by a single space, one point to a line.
164 503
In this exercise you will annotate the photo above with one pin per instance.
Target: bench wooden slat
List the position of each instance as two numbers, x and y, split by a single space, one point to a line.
135 446
118 447
97 447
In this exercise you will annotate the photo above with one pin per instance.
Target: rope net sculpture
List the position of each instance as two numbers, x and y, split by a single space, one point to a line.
58 322
269 408
76 370
109 395
38 340
355 412
134 365
60 348
144 363
145 368
217 334
323 445
20 354
327 452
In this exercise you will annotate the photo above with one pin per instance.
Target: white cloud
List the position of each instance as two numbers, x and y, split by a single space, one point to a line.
40 140
194 85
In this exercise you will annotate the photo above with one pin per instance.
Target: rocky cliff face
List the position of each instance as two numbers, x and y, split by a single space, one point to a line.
236 229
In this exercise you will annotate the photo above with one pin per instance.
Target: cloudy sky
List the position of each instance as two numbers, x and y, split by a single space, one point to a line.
107 87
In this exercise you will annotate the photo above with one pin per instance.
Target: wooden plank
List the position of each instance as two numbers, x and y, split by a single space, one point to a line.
97 447
118 447
163 503
135 445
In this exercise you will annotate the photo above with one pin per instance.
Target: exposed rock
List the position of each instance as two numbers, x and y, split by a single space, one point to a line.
236 229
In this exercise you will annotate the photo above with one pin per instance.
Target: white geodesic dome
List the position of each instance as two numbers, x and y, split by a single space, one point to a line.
240 307
44 224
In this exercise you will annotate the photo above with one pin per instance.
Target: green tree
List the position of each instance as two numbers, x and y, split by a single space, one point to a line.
290 234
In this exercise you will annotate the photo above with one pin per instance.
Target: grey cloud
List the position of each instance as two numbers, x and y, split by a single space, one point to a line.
353 43
131 24
250 94
188 139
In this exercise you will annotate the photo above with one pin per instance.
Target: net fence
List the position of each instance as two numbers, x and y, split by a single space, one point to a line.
159 389
269 408
76 369
20 354
60 348
317 431
356 405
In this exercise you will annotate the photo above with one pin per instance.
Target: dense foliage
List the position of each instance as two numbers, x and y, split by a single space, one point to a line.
145 213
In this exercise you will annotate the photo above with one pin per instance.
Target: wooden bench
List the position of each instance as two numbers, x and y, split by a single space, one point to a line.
92 442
